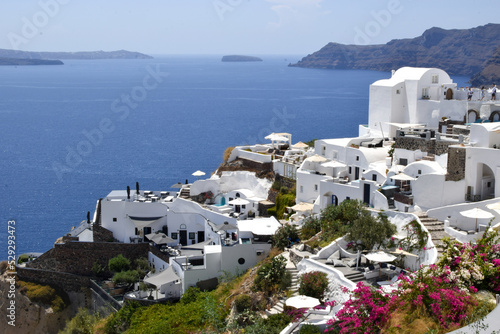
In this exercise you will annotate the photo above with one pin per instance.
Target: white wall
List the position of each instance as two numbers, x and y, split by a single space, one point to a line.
431 190
306 182
156 262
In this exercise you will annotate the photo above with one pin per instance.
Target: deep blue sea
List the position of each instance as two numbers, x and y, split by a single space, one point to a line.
70 134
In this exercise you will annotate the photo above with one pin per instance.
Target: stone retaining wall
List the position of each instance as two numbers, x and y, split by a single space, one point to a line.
79 257
65 281
456 164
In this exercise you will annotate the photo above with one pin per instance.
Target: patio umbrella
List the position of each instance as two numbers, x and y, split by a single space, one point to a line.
403 252
380 256
300 145
198 173
402 177
225 227
317 158
238 201
302 301
275 137
302 206
159 238
477 213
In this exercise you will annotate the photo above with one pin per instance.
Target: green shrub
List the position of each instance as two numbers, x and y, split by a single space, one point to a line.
270 275
97 269
82 323
119 263
310 227
44 294
243 303
284 190
276 185
23 258
190 295
126 277
285 236
309 329
313 284
119 322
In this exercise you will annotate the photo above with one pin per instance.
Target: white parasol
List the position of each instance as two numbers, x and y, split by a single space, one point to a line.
302 301
317 158
477 213
380 256
302 206
238 201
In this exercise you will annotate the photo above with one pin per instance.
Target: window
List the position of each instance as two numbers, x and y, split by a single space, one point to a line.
301 189
334 154
489 185
237 195
425 93
398 91
230 199
357 158
435 78
173 235
419 171
323 150
315 187
191 235
115 219
241 261
347 198
374 177
243 206
403 161
350 170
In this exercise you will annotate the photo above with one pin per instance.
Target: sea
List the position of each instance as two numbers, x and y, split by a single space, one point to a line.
70 134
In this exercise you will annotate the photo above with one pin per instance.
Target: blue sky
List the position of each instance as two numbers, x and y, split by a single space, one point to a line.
253 27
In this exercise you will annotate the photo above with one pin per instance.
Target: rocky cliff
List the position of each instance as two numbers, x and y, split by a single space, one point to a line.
34 318
457 51
490 73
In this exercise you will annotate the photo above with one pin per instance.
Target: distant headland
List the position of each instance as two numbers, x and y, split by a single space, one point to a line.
240 58
457 51
21 62
16 57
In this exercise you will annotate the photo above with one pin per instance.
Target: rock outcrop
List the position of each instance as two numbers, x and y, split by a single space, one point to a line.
490 73
457 51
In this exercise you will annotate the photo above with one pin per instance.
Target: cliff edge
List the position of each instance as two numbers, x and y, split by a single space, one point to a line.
457 51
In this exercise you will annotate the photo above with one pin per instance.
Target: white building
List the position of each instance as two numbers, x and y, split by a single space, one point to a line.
436 158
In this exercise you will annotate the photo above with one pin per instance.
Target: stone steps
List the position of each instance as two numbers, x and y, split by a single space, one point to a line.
355 277
278 308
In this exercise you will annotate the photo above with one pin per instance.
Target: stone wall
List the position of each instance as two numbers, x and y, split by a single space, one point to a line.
79 257
285 181
456 164
102 234
62 280
432 146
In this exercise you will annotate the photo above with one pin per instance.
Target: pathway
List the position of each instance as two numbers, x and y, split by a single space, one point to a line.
436 229
290 267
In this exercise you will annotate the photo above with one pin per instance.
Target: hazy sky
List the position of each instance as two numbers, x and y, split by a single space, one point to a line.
226 26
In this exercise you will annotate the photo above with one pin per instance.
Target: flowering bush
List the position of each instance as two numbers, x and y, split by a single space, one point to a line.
438 297
470 265
313 284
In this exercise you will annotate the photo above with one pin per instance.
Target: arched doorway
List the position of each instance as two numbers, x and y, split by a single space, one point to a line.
487 182
495 116
223 201
449 94
472 116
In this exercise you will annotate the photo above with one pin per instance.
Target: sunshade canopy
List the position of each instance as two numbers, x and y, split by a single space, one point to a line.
159 238
302 301
317 158
238 201
477 213
198 173
380 256
402 177
302 206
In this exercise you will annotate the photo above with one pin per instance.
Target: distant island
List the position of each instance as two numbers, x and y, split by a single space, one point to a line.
16 57
240 58
456 51
21 62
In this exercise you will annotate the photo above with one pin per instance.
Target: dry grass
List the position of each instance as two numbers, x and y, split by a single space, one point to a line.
227 154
